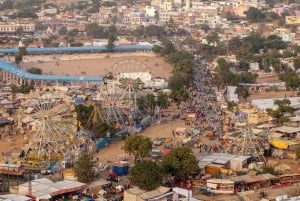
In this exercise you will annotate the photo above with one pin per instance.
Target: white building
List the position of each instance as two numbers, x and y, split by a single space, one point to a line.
151 11
231 95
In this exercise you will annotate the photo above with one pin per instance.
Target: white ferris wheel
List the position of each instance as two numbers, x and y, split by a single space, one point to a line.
52 124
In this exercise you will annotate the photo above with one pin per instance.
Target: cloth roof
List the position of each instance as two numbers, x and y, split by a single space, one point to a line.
135 191
45 188
155 193
14 197
282 144
294 119
287 129
245 178
220 181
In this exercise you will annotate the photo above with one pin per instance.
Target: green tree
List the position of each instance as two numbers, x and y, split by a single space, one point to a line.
137 145
85 168
213 38
162 100
204 27
83 113
297 63
36 71
147 175
94 30
255 15
111 42
101 129
63 31
18 59
282 113
181 163
24 88
292 82
298 152
242 92
154 30
244 65
39 26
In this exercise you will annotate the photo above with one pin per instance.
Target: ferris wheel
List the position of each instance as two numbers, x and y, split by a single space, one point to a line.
247 143
53 130
131 75
114 103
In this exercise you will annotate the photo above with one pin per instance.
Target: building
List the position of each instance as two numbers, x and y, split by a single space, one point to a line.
12 28
292 20
231 95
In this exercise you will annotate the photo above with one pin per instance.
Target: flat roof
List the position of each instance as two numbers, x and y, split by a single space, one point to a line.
51 78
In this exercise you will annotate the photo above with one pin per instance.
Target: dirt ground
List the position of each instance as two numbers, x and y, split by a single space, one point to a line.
99 64
271 94
111 153
10 147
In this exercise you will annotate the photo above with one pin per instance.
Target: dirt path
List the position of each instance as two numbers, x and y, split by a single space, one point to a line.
112 152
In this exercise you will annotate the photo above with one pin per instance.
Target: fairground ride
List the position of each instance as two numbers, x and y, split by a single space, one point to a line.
54 131
247 143
117 96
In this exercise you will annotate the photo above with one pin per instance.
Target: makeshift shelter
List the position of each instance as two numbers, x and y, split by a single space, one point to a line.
46 189
14 197
136 194
239 162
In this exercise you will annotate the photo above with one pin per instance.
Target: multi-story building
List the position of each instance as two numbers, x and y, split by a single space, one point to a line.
166 6
12 28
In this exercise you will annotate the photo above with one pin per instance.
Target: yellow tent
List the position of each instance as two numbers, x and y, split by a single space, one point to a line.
282 144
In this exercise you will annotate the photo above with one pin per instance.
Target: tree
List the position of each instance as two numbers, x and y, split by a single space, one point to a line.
298 152
244 65
18 59
282 113
204 27
63 31
111 42
94 30
162 100
137 145
39 26
85 168
292 82
147 175
36 71
181 163
242 92
24 88
83 113
297 63
254 15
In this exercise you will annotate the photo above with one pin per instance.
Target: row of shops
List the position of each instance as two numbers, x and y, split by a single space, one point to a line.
245 183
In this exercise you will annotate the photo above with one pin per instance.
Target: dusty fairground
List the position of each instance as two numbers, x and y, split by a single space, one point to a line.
97 64
93 65
108 154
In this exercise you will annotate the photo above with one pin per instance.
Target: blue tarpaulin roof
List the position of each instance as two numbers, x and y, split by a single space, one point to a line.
61 50
52 78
